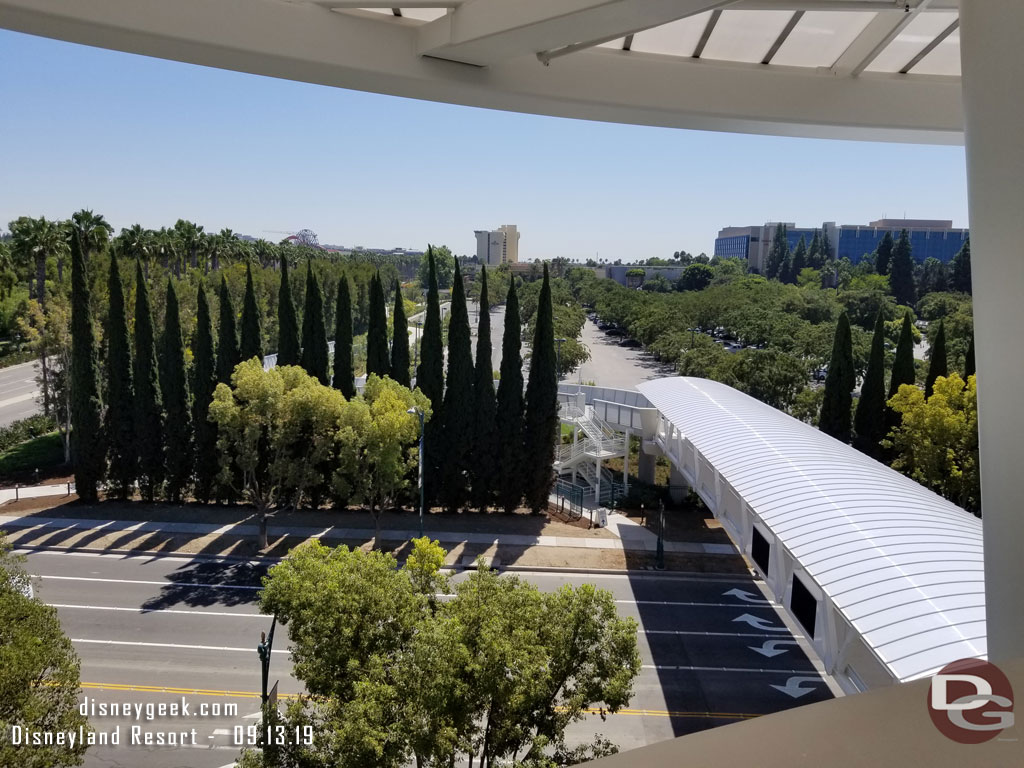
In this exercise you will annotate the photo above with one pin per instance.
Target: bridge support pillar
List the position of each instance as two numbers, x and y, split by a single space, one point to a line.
677 485
645 468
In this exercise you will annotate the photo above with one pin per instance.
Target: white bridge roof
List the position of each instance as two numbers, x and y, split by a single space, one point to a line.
902 564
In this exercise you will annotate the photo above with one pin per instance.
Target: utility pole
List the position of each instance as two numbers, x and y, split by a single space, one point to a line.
660 555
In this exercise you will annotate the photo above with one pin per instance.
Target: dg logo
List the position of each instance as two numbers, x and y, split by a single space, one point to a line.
971 701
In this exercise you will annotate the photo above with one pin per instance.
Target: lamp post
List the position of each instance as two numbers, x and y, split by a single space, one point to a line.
264 649
659 562
416 346
559 356
419 412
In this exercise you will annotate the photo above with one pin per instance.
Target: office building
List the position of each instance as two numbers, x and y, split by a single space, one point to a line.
929 238
499 246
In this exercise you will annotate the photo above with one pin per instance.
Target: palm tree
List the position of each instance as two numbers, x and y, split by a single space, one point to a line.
33 242
266 252
166 245
190 238
135 242
93 233
228 243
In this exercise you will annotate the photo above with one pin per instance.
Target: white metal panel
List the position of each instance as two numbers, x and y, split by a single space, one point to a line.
911 41
677 38
745 35
943 60
821 37
901 564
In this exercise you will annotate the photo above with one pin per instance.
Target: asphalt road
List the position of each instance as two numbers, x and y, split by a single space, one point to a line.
18 393
613 366
156 629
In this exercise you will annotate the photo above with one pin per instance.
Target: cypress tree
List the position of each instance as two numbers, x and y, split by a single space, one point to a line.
903 371
883 254
901 271
960 272
825 249
344 379
838 401
869 420
794 262
509 419
315 357
174 386
540 422
969 368
430 380
119 425
228 355
87 450
457 419
149 411
937 365
814 259
399 340
778 253
288 327
204 381
377 356
484 457
252 326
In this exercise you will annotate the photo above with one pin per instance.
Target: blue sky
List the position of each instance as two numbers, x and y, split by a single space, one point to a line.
150 141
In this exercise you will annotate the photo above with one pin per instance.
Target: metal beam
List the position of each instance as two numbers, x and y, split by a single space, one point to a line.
485 32
881 31
377 53
786 32
709 28
930 47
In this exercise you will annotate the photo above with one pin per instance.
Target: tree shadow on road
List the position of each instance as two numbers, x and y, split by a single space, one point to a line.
204 583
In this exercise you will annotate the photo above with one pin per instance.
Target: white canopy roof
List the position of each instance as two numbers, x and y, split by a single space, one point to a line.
902 564
869 69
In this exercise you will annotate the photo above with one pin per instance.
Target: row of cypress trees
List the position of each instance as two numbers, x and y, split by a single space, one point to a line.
874 419
482 448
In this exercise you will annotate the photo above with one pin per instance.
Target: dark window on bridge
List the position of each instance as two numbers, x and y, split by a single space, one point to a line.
803 605
760 551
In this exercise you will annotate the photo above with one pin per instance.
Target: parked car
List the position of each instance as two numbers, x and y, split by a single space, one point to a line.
615 332
604 326
630 343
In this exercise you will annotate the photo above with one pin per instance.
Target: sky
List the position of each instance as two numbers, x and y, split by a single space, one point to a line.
148 141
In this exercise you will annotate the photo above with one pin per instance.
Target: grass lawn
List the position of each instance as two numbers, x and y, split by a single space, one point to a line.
39 453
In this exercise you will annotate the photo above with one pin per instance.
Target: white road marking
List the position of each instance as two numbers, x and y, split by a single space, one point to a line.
18 399
671 604
153 583
161 610
670 668
169 645
793 686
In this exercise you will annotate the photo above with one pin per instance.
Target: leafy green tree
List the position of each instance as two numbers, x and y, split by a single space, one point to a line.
149 410
932 277
228 354
288 350
87 449
839 383
936 442
251 344
696 277
204 381
937 365
869 419
509 422
430 380
901 272
485 437
399 340
376 454
315 357
825 249
814 258
377 335
344 378
174 383
444 266
960 269
794 263
39 673
540 419
903 369
276 430
883 254
118 423
456 419
777 253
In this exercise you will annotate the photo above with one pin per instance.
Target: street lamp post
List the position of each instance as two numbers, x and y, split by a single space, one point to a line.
419 412
559 354
660 555
264 649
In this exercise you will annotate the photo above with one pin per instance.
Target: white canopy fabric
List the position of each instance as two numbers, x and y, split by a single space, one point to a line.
902 564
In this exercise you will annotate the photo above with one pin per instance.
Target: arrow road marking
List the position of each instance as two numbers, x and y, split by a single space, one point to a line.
771 647
746 597
793 688
759 623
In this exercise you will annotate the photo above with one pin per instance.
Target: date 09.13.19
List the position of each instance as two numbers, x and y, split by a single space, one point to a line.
276 735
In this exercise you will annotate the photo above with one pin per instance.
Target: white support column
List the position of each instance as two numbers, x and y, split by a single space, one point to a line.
625 465
993 70
597 488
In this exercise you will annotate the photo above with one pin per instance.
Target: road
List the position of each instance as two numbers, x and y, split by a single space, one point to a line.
156 629
613 366
18 393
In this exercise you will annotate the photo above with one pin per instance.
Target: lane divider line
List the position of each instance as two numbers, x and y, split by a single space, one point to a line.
169 645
